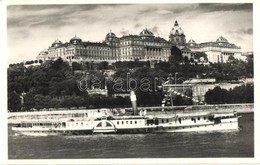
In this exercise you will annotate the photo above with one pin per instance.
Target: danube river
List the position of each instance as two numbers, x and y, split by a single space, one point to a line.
166 145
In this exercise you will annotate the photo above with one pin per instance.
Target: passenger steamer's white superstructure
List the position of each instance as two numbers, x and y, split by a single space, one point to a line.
105 121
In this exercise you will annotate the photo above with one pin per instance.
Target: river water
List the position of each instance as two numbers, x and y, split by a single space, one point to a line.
165 145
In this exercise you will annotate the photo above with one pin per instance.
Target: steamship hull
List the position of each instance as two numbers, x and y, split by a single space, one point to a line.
132 124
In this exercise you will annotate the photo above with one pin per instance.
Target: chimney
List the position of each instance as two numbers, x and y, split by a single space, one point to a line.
134 102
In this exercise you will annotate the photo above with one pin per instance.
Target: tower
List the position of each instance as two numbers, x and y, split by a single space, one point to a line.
177 37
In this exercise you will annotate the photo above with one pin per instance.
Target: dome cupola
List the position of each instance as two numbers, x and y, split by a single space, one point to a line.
191 42
176 30
222 39
110 36
56 43
75 40
146 33
177 37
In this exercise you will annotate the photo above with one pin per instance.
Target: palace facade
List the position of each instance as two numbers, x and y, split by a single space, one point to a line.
218 51
142 47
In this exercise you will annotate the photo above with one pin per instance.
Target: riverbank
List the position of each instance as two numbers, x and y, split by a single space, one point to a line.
240 108
201 109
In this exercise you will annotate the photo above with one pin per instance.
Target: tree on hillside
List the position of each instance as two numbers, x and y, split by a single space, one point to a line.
42 101
240 94
186 60
14 101
217 96
201 55
103 65
176 55
250 67
165 66
29 102
76 66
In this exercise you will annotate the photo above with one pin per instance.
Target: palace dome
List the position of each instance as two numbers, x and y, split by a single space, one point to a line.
221 39
146 33
75 40
110 36
56 43
43 52
191 41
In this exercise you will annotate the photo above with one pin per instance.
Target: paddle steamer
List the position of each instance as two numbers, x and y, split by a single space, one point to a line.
106 121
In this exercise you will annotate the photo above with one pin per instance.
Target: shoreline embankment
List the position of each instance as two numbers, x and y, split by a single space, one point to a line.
240 108
201 109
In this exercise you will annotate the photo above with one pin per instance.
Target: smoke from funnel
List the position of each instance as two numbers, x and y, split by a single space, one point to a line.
134 102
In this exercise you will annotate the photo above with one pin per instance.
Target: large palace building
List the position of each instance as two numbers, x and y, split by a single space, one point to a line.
142 47
218 51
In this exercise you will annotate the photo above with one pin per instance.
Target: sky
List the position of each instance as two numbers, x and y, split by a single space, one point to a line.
32 28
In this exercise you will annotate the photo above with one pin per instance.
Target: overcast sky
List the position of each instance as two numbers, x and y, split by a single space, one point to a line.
32 28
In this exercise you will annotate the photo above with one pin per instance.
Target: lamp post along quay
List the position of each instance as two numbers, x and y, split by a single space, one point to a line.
175 78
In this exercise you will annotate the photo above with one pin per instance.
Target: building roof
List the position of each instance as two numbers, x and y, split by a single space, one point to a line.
198 81
135 37
185 49
191 41
146 33
95 44
111 36
219 44
56 43
75 38
43 53
84 44
222 39
155 39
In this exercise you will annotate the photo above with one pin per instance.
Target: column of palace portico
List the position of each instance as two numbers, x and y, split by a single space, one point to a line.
153 53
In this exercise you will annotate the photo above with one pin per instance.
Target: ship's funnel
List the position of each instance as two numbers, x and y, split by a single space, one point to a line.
134 102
